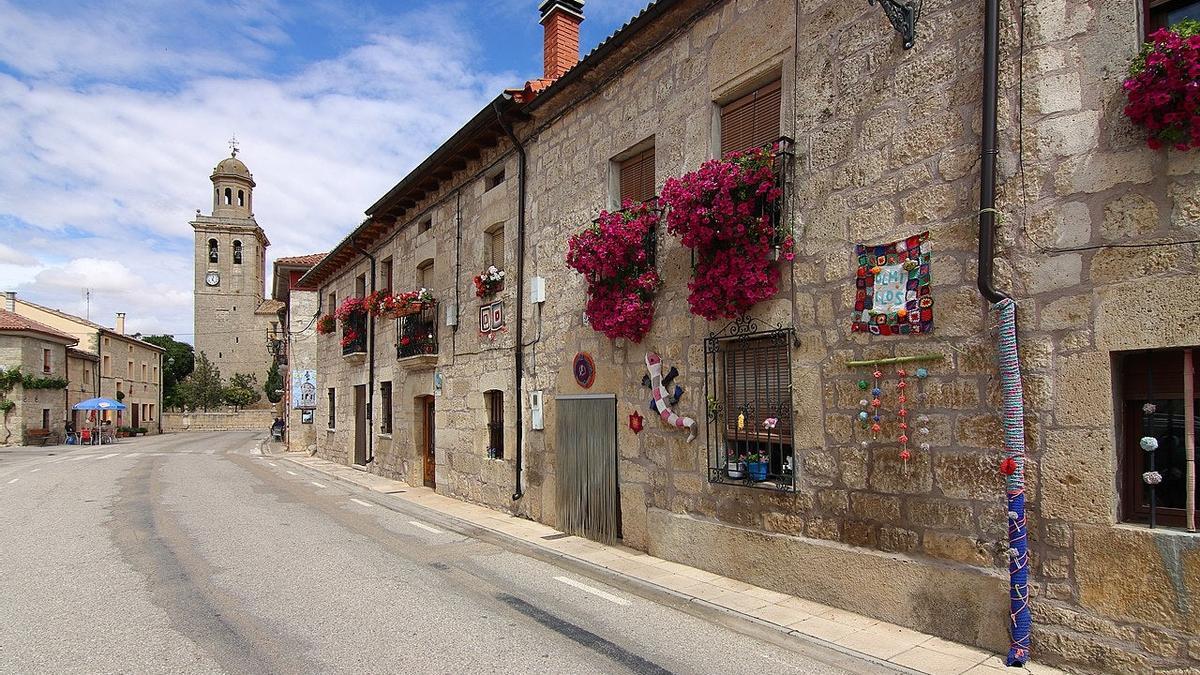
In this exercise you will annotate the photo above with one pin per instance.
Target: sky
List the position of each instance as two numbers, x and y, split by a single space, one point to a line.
113 114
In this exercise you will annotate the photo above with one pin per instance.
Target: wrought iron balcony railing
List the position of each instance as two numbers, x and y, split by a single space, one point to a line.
416 334
354 334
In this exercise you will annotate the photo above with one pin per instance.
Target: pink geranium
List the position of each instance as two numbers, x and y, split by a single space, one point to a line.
721 212
1164 87
614 256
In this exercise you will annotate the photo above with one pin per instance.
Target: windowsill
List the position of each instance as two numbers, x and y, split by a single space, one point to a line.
1159 530
330 430
383 435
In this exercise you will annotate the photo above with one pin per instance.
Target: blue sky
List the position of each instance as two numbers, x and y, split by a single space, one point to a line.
112 115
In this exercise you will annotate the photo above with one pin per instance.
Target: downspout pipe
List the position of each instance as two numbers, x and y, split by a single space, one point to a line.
1013 419
519 361
370 366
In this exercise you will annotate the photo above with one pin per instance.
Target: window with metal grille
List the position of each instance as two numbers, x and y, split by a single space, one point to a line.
385 275
751 121
496 247
1165 13
332 409
1152 385
385 407
748 390
494 400
636 177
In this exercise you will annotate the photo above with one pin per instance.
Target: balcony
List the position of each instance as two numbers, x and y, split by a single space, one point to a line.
354 336
416 337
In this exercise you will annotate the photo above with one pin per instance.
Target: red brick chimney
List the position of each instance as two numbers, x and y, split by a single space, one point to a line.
560 19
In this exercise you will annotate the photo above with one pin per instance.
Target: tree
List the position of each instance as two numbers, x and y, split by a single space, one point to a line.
274 383
203 388
178 362
242 391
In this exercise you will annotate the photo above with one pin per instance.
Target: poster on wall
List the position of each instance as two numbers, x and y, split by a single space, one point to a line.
304 389
893 293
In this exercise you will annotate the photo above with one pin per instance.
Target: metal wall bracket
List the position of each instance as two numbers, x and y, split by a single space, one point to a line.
904 15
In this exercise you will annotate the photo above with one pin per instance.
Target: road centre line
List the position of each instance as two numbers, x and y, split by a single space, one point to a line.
594 591
425 527
292 472
34 470
360 502
13 481
111 454
320 485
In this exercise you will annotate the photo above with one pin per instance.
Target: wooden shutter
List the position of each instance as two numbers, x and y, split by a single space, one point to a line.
637 177
753 120
497 247
757 379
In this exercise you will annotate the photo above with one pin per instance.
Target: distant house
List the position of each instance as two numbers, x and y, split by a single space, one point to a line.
33 405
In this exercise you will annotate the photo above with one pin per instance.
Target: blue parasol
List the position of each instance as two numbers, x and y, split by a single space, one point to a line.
99 403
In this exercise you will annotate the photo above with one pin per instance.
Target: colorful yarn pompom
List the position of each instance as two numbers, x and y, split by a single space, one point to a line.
1149 408
1149 443
1009 466
1152 478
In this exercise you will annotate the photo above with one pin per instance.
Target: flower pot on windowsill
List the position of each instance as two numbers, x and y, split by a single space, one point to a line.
758 470
735 470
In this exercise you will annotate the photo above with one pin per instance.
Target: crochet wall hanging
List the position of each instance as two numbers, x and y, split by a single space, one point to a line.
871 415
662 399
584 370
893 290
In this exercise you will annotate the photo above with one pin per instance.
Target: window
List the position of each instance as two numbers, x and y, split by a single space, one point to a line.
332 409
228 196
751 121
106 368
425 274
1155 378
360 286
495 240
332 302
425 225
87 377
494 180
748 386
143 372
494 400
151 416
636 177
385 275
129 372
241 198
45 360
385 407
212 251
237 252
155 371
1164 13
45 418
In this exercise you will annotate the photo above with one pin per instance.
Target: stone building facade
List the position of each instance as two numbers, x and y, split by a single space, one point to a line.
886 146
126 368
40 352
233 319
297 347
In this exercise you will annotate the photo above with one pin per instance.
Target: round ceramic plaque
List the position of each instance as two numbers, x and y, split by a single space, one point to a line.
585 369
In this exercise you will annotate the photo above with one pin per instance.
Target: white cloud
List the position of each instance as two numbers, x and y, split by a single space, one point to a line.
102 175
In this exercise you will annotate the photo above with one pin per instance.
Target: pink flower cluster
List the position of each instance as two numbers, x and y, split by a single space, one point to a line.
1164 87
720 211
350 306
613 256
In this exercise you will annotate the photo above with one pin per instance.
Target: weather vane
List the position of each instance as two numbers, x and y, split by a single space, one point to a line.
233 146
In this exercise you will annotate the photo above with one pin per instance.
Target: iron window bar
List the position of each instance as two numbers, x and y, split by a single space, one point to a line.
417 334
356 323
748 396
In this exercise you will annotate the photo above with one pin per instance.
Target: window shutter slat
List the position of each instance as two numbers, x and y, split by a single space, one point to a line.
753 120
637 177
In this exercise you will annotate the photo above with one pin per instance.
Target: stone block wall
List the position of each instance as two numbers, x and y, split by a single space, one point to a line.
25 352
225 420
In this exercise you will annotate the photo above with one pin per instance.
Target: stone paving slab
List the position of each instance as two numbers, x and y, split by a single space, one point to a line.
879 641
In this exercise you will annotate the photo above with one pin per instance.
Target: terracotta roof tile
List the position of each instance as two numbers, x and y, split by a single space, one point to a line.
269 307
301 260
13 321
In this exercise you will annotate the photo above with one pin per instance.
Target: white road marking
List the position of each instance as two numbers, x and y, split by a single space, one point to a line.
34 470
211 451
111 454
13 481
273 464
425 527
317 484
594 591
360 502
292 472
132 454
76 459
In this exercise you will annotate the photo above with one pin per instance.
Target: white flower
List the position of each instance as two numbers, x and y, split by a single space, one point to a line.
492 269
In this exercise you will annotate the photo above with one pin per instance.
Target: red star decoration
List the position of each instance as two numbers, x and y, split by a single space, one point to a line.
635 421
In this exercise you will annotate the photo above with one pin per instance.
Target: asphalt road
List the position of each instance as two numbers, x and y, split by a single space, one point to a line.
191 553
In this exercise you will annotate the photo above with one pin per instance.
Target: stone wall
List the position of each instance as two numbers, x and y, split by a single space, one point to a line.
241 420
25 352
887 146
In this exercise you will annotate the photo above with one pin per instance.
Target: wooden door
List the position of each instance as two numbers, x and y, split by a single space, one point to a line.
360 424
587 498
428 444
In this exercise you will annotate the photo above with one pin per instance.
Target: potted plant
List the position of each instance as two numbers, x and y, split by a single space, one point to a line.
489 282
1162 87
142 431
756 464
735 466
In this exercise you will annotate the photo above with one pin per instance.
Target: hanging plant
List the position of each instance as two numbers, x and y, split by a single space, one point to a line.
349 337
350 307
615 256
723 212
1164 87
489 282
396 305
326 324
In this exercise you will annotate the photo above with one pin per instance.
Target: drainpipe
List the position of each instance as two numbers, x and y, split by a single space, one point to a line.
520 348
1013 466
370 367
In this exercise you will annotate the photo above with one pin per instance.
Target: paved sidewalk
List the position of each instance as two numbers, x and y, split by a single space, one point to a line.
853 634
